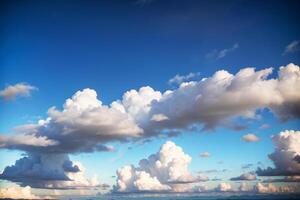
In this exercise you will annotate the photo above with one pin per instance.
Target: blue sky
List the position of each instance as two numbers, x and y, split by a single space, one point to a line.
61 47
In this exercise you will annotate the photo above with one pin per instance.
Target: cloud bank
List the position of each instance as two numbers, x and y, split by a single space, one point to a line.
16 192
85 124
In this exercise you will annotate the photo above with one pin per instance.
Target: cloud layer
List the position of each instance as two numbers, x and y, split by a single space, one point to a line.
16 192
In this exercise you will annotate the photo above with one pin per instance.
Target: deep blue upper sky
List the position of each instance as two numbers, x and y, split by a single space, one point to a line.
113 46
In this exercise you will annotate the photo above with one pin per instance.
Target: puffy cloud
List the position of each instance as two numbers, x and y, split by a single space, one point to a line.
218 54
84 124
287 147
292 47
244 187
270 188
48 171
245 177
160 172
205 154
250 138
178 79
223 187
16 192
13 91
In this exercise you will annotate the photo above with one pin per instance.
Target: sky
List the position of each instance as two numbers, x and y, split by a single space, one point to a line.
90 88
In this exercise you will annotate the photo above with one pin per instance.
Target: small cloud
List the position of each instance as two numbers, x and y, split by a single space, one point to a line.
159 117
178 79
292 47
250 138
245 177
264 126
11 92
218 54
247 166
205 154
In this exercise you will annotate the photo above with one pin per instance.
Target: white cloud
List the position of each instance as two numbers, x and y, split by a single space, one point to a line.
205 154
16 192
159 117
218 54
287 148
292 47
270 188
160 172
250 138
264 126
223 187
13 91
178 79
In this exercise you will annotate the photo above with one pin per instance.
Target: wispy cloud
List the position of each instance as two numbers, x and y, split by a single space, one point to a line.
218 54
178 79
292 47
11 92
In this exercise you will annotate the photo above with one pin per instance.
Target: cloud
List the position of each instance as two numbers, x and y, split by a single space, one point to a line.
287 147
18 141
160 172
11 92
285 179
16 192
247 166
52 171
250 138
245 177
85 124
218 54
178 79
223 187
270 188
159 117
293 47
205 154
264 126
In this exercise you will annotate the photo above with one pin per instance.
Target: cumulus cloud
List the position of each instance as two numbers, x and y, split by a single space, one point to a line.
270 188
287 147
159 172
205 154
16 192
178 79
292 47
53 171
19 90
85 124
218 54
250 138
245 177
223 187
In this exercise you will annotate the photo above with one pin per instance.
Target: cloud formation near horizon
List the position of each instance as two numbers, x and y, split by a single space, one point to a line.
159 172
85 124
11 92
287 148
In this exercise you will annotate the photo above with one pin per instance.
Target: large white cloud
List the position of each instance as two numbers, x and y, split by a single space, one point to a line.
13 91
16 192
287 148
159 172
245 177
86 125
